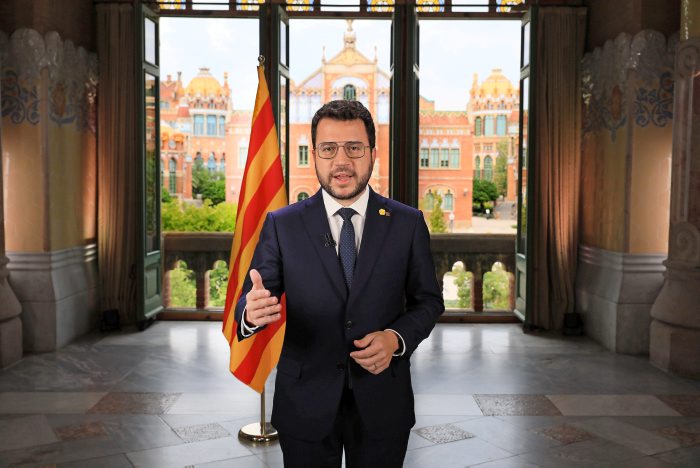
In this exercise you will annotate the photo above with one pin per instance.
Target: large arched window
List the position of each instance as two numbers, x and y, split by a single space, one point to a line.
501 125
198 160
424 156
488 125
198 124
478 130
222 125
172 181
349 92
211 125
477 168
222 163
448 201
211 163
488 168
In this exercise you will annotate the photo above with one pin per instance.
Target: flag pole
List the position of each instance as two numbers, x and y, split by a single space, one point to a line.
259 432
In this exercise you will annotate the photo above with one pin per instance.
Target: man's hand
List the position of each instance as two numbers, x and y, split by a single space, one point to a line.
376 350
261 307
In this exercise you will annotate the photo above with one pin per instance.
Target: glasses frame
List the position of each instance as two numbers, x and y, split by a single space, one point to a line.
344 145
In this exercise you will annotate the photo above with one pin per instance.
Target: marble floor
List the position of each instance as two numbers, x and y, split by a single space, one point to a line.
487 395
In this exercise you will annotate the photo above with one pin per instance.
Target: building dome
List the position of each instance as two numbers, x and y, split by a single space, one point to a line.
496 84
205 84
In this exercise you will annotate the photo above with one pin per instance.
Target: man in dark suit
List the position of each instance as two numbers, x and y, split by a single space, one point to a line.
361 295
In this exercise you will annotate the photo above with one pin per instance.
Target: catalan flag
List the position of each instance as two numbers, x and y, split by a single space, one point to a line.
262 191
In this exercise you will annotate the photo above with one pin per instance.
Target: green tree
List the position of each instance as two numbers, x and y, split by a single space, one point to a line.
464 289
218 281
210 185
178 216
183 289
165 196
437 216
500 177
496 288
483 191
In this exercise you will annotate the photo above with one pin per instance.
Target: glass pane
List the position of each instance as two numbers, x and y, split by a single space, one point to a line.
470 6
284 58
299 5
207 95
526 45
430 6
210 4
283 121
152 238
522 183
150 42
467 126
340 5
381 6
329 57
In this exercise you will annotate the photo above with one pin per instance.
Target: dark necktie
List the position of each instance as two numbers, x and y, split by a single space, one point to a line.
346 247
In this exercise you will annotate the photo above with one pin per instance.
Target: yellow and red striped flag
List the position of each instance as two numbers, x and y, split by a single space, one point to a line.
262 190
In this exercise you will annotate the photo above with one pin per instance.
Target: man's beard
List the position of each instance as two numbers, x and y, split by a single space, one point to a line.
326 184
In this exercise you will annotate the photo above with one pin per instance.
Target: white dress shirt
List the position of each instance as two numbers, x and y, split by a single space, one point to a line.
335 222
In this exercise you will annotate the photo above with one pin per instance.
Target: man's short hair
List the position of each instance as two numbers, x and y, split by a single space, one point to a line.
344 110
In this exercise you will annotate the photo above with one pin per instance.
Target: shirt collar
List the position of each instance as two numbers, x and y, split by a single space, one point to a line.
332 206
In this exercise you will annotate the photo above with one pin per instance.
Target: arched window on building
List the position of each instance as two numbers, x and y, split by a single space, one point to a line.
488 168
172 177
477 168
222 125
211 163
454 158
198 160
448 201
349 92
501 125
303 155
488 125
444 157
434 157
222 163
424 156
302 196
211 125
478 129
428 201
198 125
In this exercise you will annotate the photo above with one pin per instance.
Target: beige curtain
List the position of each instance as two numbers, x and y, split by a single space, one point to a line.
557 156
117 158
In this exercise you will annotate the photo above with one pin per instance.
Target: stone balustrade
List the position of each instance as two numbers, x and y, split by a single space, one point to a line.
478 253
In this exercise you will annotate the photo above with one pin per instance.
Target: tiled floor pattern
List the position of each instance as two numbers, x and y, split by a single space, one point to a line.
486 395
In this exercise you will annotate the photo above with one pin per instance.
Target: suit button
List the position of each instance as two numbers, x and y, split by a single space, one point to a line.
340 366
348 324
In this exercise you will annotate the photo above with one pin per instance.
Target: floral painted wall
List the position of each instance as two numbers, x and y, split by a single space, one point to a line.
48 109
627 140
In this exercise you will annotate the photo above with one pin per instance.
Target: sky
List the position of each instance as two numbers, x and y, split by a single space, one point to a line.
451 51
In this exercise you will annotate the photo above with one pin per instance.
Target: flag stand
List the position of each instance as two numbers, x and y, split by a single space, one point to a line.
259 431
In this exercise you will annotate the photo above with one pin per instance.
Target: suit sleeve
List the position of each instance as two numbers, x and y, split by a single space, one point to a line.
267 259
424 303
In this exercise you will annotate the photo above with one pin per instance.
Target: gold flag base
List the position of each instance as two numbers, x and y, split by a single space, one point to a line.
252 433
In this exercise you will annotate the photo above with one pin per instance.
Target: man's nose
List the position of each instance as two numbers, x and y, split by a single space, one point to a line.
341 156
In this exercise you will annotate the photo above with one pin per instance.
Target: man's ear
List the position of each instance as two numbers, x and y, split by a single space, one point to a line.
374 155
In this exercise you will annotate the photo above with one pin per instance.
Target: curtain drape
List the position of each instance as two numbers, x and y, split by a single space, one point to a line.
560 43
117 159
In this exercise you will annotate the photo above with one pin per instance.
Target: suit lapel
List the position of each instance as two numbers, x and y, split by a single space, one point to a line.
373 234
316 224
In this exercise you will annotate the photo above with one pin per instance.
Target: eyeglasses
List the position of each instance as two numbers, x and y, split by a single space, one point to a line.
328 149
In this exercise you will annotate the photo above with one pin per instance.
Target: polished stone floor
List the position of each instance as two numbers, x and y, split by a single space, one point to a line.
486 395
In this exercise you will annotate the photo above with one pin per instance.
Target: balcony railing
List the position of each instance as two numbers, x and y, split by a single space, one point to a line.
477 252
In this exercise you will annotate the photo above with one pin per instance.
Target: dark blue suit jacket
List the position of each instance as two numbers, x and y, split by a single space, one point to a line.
394 286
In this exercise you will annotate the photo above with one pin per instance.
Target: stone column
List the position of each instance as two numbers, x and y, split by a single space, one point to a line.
675 327
10 323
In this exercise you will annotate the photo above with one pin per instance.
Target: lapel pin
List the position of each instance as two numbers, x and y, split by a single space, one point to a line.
383 212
